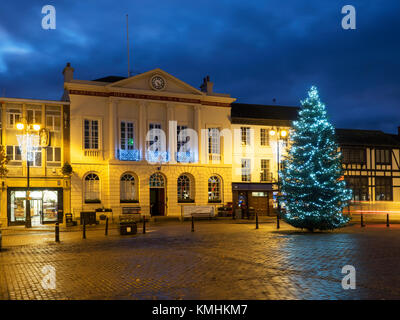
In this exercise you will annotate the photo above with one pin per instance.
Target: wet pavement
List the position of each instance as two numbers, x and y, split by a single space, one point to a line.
220 260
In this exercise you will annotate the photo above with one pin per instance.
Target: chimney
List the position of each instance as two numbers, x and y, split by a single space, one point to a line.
68 73
207 85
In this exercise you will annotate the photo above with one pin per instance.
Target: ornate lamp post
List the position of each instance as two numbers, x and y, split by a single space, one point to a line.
279 135
27 141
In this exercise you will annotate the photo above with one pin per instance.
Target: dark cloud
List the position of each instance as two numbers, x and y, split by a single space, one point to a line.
254 50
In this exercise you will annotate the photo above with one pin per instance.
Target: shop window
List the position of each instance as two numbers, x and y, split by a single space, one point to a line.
359 187
383 189
214 189
184 188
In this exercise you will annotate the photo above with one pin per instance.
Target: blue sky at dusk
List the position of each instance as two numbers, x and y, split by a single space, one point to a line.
254 50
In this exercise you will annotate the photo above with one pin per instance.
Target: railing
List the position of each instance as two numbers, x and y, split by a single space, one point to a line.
214 157
129 155
92 153
186 157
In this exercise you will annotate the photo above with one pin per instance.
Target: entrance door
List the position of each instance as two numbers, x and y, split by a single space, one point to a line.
157 201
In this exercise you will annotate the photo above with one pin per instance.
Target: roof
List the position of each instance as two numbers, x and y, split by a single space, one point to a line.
110 79
354 137
244 113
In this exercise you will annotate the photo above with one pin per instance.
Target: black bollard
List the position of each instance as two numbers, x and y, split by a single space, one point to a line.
57 230
84 229
106 232
387 220
362 220
144 224
192 224
277 221
256 220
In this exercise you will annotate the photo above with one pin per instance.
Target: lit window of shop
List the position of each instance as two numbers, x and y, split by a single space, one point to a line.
214 189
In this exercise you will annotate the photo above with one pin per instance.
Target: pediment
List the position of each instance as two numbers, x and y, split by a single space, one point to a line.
144 82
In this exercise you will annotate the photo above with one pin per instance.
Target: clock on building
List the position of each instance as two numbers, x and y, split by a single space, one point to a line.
157 82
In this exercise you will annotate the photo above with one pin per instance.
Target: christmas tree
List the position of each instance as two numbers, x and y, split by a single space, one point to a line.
313 190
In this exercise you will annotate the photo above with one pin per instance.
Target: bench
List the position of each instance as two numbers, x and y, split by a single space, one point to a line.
198 212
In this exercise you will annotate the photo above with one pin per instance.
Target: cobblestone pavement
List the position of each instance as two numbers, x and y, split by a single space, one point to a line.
220 260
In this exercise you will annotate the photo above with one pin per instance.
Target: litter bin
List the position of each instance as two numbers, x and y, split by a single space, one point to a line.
238 213
127 226
251 213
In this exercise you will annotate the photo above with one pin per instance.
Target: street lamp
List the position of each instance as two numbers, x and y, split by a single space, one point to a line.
29 133
279 134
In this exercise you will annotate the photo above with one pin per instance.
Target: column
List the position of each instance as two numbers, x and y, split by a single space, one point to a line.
171 133
112 111
142 129
197 128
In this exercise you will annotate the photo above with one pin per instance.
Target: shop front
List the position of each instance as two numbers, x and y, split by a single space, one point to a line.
257 196
46 205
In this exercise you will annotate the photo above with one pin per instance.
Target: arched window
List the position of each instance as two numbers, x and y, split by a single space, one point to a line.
92 188
128 188
214 189
157 180
184 189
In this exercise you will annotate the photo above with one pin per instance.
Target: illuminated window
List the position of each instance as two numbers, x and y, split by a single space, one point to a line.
92 188
359 187
154 136
156 180
127 136
264 137
265 173
34 115
128 188
91 134
245 135
214 189
383 189
14 116
14 155
184 188
36 155
214 149
246 170
53 156
53 118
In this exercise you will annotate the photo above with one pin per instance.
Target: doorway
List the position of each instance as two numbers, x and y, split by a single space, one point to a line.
157 201
157 194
